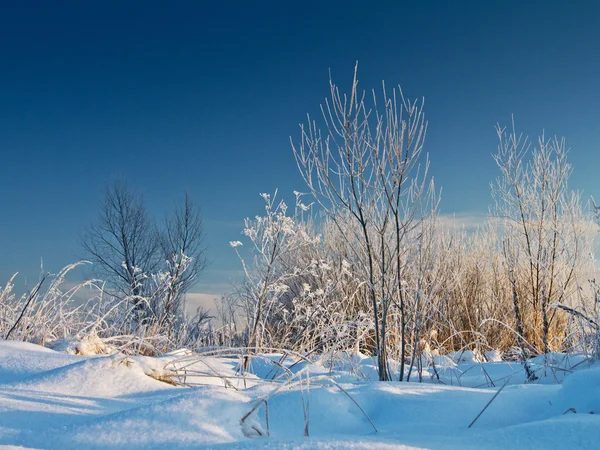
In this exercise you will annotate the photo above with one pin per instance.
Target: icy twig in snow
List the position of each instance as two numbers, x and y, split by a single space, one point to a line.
32 295
489 403
300 382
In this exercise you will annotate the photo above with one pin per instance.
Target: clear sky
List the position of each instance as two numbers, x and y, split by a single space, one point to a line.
203 96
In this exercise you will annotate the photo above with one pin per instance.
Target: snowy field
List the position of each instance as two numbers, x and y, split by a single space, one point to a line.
57 400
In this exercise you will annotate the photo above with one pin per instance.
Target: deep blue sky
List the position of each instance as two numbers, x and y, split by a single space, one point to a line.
203 96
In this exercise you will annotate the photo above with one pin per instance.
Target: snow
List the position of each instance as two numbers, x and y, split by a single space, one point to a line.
55 400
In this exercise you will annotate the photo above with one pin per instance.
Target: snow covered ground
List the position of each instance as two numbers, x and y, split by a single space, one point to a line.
56 400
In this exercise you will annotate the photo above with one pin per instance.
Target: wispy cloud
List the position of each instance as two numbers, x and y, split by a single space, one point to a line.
205 300
466 221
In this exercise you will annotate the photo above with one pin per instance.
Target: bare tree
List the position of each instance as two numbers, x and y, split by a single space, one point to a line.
182 237
122 243
365 165
129 252
543 222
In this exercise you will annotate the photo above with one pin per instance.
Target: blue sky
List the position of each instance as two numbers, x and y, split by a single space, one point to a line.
204 96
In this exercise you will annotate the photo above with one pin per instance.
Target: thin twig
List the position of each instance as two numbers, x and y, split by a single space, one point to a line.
489 403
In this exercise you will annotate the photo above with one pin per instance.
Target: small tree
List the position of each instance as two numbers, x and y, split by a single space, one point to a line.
123 243
182 247
128 251
543 224
273 236
363 165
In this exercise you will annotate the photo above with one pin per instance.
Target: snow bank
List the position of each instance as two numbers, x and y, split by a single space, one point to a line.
108 376
202 416
21 359
55 400
581 393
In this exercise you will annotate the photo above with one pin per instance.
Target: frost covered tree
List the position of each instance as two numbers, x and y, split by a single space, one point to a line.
182 247
544 231
273 237
123 243
127 249
362 163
